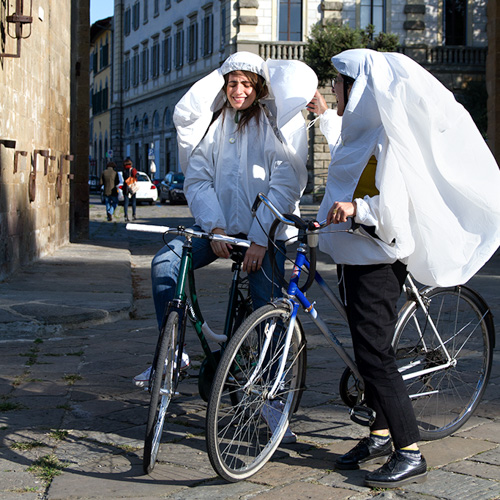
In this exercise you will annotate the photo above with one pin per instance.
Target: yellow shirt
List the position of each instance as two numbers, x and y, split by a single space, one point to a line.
366 184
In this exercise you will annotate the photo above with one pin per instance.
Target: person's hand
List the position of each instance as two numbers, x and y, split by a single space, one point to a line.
253 258
340 212
220 248
318 104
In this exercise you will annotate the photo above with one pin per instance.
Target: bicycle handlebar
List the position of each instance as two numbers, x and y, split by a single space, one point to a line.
309 228
188 232
289 219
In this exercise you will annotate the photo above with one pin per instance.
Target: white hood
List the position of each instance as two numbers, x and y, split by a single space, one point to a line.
439 183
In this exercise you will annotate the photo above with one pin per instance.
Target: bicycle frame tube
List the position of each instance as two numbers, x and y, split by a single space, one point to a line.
231 306
186 278
296 298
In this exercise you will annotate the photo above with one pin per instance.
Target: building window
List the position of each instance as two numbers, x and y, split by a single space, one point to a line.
455 22
135 68
223 26
145 11
208 32
168 4
179 47
136 16
155 58
105 97
95 62
156 7
127 22
104 54
290 20
167 53
193 40
126 71
145 62
373 12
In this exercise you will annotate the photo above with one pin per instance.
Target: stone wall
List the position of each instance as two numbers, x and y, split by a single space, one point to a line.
493 78
34 134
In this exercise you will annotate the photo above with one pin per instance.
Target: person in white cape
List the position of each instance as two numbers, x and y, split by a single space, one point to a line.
409 166
240 131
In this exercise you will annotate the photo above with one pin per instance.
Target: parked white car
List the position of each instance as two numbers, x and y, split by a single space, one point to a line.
147 190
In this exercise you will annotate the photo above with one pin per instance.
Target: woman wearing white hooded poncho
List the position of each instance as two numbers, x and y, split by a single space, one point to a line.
228 159
433 205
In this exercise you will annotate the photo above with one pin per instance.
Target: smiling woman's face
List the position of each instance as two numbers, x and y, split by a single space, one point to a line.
240 92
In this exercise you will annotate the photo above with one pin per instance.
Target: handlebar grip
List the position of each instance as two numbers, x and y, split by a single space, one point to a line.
256 203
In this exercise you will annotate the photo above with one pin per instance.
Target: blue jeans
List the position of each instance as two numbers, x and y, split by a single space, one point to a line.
166 264
111 202
126 202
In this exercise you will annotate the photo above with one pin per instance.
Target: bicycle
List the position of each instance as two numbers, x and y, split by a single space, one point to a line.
444 341
166 367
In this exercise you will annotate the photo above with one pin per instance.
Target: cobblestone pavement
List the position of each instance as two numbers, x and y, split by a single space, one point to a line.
72 424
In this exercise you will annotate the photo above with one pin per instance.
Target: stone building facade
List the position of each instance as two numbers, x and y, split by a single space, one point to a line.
39 150
101 57
163 46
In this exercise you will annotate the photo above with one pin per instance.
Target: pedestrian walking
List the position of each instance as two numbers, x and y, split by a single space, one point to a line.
109 179
129 188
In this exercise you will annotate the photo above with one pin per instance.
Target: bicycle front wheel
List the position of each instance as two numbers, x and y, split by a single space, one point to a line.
244 427
162 389
445 380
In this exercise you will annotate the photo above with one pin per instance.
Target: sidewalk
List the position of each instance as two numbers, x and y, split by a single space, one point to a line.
79 285
76 326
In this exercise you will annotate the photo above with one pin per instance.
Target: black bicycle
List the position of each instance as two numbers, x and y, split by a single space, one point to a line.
166 368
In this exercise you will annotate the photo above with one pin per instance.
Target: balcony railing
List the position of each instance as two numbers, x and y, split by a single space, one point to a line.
448 55
441 55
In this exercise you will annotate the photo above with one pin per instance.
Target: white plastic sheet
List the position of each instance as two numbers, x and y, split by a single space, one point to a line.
439 183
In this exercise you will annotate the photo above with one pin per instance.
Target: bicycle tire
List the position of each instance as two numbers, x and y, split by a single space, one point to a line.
239 443
444 400
163 386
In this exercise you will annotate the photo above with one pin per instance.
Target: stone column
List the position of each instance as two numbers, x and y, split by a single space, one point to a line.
493 78
79 187
116 107
415 30
332 12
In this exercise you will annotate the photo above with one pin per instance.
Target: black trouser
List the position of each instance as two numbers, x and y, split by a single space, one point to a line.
370 294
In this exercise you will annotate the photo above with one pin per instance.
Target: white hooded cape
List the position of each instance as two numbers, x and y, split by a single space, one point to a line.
291 85
439 184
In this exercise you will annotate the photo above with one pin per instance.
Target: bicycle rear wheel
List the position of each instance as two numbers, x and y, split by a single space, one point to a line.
444 399
163 386
239 441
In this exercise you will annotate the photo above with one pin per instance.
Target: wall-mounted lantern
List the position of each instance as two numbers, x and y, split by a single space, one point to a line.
18 19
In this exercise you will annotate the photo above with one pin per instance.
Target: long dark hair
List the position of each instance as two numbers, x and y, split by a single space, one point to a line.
261 90
348 82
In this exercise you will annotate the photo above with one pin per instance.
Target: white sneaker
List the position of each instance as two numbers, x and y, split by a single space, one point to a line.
271 414
142 380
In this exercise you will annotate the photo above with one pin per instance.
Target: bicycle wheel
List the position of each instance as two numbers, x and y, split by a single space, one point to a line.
239 441
163 386
444 399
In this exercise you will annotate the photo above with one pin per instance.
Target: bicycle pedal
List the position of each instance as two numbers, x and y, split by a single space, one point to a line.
362 415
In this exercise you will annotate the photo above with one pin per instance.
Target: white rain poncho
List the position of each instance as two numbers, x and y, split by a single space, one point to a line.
226 168
439 204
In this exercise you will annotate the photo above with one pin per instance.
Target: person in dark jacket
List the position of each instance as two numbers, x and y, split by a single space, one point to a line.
109 179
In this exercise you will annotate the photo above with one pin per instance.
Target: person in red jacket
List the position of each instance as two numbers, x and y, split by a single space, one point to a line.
129 172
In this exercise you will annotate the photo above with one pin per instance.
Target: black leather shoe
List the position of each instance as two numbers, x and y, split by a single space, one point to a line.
364 452
397 471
